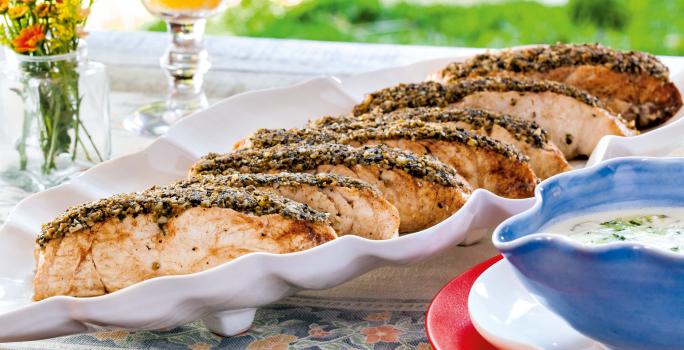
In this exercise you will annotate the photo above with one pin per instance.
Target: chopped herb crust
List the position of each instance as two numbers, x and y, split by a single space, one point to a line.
163 203
300 158
426 94
433 94
413 130
546 58
523 130
283 179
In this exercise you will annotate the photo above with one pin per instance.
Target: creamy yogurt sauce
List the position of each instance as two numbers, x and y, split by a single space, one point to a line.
657 227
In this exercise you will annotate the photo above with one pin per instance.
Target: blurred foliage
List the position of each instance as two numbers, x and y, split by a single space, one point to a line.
654 26
603 14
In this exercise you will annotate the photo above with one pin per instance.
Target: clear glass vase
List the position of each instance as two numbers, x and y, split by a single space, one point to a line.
54 118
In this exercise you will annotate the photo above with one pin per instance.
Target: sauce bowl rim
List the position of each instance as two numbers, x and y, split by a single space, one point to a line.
559 239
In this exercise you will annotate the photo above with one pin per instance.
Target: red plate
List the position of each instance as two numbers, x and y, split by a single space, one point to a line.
447 321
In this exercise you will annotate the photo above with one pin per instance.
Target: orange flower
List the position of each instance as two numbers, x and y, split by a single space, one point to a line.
318 332
28 39
18 11
42 10
387 334
4 5
275 342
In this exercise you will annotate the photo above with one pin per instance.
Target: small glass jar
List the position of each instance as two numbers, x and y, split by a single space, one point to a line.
54 118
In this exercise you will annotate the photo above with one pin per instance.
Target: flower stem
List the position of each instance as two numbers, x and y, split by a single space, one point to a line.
49 164
97 152
21 147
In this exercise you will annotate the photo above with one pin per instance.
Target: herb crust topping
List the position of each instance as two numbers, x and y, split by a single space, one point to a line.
240 180
546 58
301 158
523 130
434 94
413 130
162 203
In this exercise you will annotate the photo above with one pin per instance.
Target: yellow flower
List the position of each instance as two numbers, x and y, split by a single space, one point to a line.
64 12
18 11
62 32
4 5
71 11
42 10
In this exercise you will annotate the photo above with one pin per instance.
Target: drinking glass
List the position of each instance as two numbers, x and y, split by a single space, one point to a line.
184 63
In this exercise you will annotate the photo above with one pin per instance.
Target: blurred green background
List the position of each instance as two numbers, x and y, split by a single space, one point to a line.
655 26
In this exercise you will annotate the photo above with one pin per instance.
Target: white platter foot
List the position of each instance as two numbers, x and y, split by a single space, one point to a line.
230 323
475 236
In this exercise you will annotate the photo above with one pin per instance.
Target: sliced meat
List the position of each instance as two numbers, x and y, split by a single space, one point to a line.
107 245
575 120
355 207
424 190
482 161
634 84
527 136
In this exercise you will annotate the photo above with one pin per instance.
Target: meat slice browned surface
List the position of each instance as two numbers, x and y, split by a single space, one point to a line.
574 119
482 161
634 84
527 136
355 207
424 190
107 245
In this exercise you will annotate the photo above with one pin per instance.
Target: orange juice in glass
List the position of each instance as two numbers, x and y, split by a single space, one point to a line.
183 8
185 63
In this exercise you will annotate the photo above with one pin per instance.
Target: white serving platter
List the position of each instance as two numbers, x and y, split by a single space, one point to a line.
226 297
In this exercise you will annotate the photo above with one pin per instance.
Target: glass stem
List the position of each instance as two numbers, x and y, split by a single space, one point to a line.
185 64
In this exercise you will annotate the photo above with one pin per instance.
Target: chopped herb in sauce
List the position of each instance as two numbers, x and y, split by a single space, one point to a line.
660 230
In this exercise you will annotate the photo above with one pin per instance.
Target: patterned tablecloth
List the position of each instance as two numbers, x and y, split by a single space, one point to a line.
310 324
384 309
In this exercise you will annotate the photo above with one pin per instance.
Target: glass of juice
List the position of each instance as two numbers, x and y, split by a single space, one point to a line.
184 63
